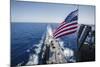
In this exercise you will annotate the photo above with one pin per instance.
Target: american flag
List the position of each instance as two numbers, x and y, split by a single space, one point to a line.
68 26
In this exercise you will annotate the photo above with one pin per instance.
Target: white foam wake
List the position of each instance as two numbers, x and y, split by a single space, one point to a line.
68 53
33 58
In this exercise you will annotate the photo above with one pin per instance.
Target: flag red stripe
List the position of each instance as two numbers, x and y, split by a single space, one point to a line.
66 34
65 30
65 24
65 27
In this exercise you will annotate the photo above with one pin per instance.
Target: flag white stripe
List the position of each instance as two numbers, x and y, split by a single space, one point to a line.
66 25
66 32
65 28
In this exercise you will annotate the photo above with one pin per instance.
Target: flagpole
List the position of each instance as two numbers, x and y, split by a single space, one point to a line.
77 51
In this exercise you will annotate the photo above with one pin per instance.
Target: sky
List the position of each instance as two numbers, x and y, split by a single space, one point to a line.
22 11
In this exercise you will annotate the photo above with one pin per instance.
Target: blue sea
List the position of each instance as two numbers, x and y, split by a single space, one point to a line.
25 35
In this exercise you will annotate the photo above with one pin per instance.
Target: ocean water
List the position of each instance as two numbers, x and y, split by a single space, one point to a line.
25 35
